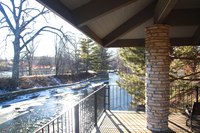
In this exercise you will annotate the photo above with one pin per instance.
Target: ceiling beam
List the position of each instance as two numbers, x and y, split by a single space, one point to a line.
91 34
128 43
196 36
141 42
58 8
96 8
183 17
130 24
163 8
186 41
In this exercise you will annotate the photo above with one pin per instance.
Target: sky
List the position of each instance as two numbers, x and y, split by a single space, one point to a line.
45 42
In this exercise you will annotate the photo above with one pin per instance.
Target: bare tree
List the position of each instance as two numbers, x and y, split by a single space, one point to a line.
20 19
67 54
28 55
73 52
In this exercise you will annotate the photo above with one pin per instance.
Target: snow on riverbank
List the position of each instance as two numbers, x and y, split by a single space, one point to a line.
25 103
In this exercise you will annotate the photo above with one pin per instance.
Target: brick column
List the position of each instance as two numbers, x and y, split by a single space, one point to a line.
157 77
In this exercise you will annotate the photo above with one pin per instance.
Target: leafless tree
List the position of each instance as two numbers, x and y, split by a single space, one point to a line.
28 55
73 53
20 19
59 51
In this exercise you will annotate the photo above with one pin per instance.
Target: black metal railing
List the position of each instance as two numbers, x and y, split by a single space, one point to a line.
118 98
182 96
82 117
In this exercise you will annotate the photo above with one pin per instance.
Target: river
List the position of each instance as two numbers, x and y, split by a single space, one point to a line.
26 113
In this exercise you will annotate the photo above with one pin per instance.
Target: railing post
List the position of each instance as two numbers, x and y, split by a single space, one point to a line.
197 93
76 115
108 97
95 108
104 98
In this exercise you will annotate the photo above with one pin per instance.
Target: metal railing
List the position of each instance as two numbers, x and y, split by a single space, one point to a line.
118 98
82 117
180 96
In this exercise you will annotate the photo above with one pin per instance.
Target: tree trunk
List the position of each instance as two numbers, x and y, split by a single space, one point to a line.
15 69
30 68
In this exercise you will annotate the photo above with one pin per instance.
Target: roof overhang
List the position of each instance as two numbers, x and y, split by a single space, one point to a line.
121 23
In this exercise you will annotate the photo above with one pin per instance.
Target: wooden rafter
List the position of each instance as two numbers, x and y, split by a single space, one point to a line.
90 33
57 7
131 24
163 8
96 8
196 36
141 42
128 43
182 17
182 41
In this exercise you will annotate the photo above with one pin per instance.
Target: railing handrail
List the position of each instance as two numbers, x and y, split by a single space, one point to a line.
71 107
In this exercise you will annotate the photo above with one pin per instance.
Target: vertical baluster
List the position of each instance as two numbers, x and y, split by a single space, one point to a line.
120 93
48 130
197 93
124 98
95 109
58 125
191 97
76 119
127 96
66 122
109 98
104 95
53 127
62 123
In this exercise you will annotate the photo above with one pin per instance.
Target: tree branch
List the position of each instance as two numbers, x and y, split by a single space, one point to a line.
14 10
7 7
182 78
6 17
33 18
38 32
4 27
20 9
185 58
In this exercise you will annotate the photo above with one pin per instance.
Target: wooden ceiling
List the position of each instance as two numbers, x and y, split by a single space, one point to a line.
121 23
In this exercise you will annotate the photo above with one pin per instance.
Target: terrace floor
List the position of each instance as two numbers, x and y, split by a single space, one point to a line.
129 122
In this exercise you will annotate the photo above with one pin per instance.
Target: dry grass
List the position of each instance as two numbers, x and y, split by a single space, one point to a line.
41 81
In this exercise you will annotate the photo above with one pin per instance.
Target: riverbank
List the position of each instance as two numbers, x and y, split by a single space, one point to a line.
37 81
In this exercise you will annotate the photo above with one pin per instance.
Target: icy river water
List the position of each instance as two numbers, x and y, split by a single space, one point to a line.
26 113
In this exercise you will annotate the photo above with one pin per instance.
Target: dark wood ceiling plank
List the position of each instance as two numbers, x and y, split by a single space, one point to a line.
141 42
132 23
96 8
58 8
163 8
183 17
196 36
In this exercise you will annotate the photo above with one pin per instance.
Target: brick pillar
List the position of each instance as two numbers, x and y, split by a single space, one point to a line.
157 77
